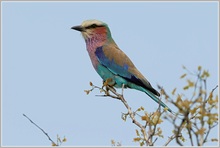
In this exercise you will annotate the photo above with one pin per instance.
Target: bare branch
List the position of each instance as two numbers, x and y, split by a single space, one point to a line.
131 114
41 130
174 136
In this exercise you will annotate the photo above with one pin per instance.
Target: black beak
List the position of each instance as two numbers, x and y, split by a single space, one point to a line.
78 28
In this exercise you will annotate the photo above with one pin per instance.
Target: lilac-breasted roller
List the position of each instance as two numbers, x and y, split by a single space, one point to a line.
111 63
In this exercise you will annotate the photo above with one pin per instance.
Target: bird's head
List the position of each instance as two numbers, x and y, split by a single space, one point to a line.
93 28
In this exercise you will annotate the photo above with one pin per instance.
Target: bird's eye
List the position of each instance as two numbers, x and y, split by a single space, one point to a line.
92 26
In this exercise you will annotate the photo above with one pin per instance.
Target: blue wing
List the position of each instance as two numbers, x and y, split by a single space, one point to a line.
119 64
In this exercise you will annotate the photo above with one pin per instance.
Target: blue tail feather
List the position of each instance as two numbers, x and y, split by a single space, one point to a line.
156 99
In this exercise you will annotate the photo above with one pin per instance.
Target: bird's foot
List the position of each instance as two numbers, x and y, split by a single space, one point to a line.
108 83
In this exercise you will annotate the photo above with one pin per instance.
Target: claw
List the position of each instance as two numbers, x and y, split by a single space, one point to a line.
110 83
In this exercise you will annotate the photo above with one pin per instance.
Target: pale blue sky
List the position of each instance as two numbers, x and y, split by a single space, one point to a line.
46 68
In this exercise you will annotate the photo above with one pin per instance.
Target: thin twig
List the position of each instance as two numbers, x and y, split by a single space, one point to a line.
122 90
41 130
211 92
150 137
131 114
171 138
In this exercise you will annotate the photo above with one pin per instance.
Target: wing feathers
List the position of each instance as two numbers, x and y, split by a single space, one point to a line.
118 63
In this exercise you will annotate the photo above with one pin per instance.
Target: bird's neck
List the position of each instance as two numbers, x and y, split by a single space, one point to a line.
92 44
95 42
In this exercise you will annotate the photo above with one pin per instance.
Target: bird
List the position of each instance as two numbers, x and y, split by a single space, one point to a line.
111 63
